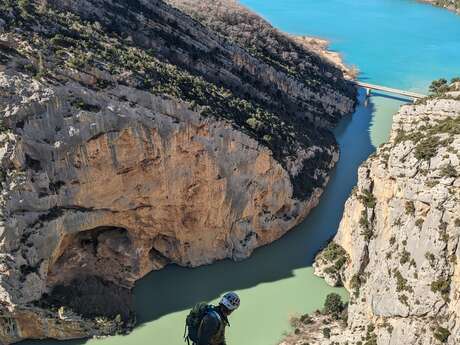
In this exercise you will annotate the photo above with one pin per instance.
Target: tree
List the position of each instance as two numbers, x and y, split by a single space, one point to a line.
439 86
333 304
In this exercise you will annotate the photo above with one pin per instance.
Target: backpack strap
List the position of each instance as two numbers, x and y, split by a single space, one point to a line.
219 317
216 315
186 337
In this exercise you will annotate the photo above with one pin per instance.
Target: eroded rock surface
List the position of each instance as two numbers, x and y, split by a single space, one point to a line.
133 137
397 249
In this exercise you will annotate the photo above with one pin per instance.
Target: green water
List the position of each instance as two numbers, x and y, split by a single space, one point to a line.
277 281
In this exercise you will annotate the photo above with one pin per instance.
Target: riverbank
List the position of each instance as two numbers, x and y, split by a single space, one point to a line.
321 47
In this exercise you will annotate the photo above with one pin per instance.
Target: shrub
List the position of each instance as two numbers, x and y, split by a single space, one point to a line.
366 225
254 123
332 252
449 170
442 286
333 304
355 284
426 148
410 208
419 223
327 332
401 282
405 257
371 337
368 199
439 86
442 334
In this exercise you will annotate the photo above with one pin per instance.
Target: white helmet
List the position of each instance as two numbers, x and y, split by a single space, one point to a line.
230 300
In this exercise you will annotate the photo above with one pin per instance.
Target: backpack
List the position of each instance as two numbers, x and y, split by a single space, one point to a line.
193 321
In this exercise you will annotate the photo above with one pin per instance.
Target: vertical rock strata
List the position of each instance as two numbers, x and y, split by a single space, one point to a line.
133 137
399 236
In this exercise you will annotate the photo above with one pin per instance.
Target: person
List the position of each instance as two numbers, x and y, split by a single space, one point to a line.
212 327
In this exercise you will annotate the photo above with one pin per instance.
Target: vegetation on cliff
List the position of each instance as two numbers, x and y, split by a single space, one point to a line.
402 271
282 101
132 137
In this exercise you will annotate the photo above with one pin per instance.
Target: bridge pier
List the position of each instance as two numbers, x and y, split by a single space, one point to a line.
368 92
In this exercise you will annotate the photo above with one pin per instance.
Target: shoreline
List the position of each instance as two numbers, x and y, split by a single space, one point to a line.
433 3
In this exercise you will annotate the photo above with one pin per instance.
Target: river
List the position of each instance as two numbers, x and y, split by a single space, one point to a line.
396 43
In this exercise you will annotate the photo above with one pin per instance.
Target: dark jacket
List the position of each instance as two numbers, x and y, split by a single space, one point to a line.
212 328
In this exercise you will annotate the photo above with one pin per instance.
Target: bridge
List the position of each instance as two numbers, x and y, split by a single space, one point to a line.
370 87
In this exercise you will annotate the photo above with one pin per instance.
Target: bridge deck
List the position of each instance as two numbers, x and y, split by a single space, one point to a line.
389 90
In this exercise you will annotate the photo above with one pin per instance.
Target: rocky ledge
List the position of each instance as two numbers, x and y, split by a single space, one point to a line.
132 137
397 247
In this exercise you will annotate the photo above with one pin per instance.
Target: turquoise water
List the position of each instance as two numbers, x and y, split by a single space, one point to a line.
398 43
395 43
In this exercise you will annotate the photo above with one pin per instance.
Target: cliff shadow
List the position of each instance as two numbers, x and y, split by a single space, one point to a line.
176 288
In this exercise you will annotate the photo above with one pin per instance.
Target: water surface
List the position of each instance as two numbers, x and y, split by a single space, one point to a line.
395 43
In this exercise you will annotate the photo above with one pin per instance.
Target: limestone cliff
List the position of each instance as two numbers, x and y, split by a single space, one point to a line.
132 137
233 20
396 250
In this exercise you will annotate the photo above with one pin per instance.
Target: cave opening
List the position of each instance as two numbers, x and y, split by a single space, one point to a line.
94 274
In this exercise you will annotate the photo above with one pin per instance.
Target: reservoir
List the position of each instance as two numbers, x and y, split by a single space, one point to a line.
396 43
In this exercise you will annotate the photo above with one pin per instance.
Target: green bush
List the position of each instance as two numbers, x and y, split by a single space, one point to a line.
405 257
449 170
333 252
442 286
410 208
419 223
326 332
439 86
401 282
333 305
442 334
427 148
368 199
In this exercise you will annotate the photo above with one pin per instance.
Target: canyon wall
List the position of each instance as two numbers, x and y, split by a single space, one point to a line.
133 137
396 250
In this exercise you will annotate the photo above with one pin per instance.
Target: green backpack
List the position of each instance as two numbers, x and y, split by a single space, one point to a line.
193 321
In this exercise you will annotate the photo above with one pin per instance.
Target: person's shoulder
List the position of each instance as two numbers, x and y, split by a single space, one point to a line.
213 316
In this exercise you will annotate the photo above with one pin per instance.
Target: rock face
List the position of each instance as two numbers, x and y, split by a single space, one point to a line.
233 20
397 245
133 137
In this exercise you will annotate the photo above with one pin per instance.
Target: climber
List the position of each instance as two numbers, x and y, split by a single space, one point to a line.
206 323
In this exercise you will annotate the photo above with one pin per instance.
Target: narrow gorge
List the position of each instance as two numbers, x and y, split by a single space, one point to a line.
396 250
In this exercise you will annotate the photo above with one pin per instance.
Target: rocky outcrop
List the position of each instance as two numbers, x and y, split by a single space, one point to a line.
452 5
133 137
397 245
